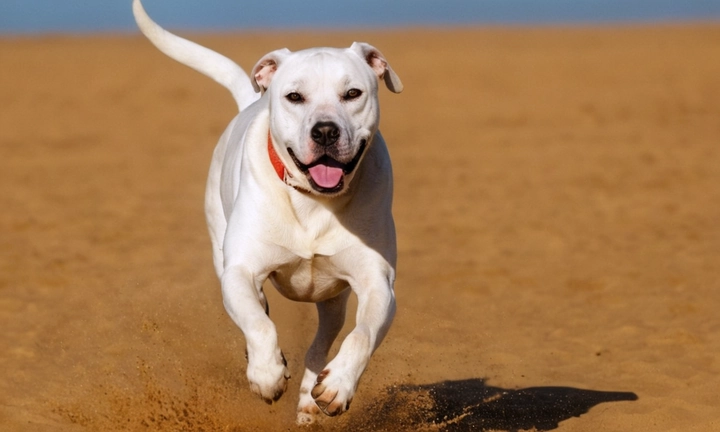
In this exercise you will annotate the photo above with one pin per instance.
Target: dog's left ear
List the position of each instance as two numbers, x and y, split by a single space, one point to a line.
377 62
266 67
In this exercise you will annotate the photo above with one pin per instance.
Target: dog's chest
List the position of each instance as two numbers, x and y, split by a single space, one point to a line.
311 280
312 242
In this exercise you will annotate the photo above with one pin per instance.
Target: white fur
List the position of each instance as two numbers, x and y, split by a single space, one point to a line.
314 245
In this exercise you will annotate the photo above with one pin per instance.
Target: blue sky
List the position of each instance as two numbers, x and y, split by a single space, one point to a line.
82 16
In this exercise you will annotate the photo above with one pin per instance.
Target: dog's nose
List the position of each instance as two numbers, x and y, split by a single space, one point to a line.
325 133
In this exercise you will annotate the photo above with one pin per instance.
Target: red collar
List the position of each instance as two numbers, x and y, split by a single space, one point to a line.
279 167
275 160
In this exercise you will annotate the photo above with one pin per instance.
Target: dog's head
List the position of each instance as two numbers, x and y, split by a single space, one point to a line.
323 110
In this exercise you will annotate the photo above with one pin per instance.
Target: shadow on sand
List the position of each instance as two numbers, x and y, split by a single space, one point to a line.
471 405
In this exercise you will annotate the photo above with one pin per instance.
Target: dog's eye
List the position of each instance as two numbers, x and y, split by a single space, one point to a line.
295 97
352 94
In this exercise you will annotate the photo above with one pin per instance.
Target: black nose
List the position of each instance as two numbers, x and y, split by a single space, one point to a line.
325 133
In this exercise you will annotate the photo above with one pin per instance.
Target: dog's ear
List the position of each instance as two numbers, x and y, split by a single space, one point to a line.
265 68
377 62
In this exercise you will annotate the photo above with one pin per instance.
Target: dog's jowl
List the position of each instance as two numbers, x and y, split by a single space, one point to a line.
300 192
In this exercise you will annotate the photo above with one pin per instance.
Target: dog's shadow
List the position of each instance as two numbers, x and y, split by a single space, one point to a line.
471 405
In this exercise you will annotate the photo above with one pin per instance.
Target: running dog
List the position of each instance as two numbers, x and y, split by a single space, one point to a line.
300 192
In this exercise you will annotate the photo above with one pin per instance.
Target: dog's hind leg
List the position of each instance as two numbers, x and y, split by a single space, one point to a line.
331 317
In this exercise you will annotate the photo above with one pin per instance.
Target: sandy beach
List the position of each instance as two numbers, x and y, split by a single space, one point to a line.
557 200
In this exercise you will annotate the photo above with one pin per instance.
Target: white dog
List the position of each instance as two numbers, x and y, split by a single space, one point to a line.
300 192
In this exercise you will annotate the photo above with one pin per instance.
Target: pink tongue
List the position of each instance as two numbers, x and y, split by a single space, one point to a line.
325 176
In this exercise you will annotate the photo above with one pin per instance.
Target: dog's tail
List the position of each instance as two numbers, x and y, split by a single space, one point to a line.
208 62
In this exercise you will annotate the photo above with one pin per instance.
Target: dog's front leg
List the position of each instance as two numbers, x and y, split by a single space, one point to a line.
335 386
245 302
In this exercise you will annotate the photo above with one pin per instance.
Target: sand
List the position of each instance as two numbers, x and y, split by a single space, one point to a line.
558 209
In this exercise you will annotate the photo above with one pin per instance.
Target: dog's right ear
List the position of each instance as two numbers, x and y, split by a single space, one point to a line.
264 69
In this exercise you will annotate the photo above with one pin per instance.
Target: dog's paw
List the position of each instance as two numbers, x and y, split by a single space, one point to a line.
268 380
307 413
333 392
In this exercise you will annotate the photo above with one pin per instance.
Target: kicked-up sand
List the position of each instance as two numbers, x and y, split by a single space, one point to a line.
557 198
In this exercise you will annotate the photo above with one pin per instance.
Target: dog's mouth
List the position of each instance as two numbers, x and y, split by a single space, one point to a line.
327 175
